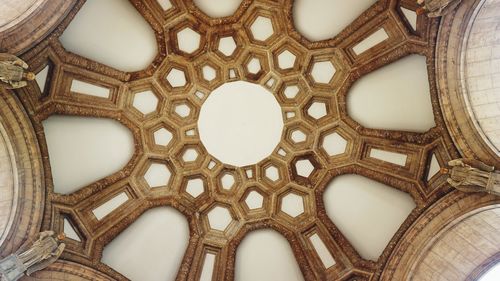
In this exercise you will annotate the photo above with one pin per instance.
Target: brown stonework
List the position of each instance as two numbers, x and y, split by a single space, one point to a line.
444 242
438 207
22 199
453 96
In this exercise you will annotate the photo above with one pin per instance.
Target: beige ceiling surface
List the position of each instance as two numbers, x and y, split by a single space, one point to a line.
168 131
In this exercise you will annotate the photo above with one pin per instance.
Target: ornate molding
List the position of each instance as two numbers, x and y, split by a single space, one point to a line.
449 63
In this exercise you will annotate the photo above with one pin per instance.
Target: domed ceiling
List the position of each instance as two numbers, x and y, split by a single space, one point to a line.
247 140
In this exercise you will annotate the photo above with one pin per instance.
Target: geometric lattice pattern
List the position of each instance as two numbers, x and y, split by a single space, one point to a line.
310 80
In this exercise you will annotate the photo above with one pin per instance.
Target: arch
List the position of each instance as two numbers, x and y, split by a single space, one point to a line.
479 72
490 274
453 93
403 105
272 259
83 150
22 185
32 23
378 202
125 41
150 248
440 223
454 254
324 19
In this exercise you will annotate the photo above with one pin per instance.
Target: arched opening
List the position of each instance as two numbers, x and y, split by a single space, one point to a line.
124 41
21 189
376 202
151 248
266 255
456 239
467 79
83 150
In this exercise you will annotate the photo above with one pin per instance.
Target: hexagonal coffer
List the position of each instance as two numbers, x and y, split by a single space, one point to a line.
219 218
157 174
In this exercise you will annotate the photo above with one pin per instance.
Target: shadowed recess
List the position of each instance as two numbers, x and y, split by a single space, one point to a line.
150 249
323 19
83 150
265 255
370 223
124 41
403 104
